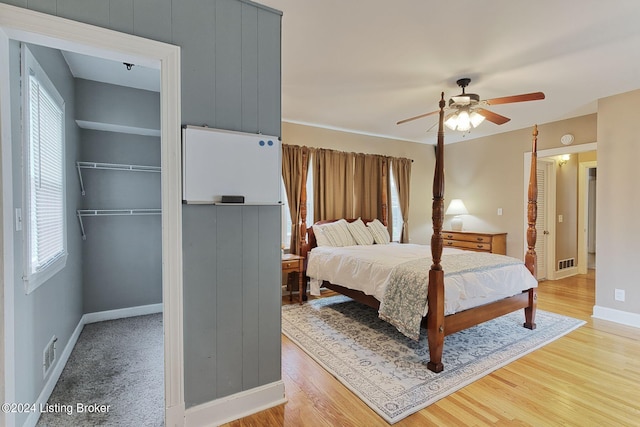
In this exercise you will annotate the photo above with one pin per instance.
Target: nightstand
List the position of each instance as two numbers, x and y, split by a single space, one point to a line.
495 243
293 266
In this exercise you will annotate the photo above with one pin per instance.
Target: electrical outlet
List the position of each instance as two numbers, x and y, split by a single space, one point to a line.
619 295
560 218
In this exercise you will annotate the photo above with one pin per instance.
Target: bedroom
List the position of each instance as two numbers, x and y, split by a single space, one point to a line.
617 137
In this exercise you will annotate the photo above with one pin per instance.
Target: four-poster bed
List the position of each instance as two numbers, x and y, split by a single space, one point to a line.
437 322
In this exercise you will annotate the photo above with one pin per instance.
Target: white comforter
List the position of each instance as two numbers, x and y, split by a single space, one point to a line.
367 268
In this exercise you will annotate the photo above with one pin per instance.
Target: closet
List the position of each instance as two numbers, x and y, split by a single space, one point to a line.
119 190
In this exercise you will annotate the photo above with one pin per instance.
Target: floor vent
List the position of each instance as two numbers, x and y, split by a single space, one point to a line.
49 356
566 263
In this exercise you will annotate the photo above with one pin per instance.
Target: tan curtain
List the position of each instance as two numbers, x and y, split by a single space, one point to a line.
333 184
292 167
402 177
368 185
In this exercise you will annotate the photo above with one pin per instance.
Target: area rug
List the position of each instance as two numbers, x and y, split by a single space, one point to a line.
388 371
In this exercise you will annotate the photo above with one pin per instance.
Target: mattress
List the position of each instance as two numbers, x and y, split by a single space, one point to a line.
367 268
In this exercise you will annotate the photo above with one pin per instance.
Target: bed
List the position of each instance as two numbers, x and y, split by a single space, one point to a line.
439 315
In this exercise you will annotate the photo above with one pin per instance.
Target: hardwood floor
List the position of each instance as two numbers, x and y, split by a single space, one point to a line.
590 377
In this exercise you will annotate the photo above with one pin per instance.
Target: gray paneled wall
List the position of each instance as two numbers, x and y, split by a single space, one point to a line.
231 292
230 80
122 255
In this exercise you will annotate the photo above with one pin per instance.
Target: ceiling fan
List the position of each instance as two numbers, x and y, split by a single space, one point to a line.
466 109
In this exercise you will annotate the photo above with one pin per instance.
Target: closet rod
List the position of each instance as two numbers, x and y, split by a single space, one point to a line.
111 212
112 166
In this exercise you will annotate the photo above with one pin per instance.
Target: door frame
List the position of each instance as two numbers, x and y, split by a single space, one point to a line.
583 214
59 33
573 149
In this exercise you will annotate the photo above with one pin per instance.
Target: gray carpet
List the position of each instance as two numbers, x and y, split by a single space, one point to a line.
118 364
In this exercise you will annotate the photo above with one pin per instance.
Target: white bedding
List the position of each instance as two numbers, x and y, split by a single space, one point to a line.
367 268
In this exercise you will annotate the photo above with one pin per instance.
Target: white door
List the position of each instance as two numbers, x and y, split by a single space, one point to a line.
542 220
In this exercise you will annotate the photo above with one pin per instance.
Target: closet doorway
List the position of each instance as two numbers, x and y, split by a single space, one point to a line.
22 25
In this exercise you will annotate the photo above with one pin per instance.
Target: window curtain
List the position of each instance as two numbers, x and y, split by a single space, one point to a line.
333 184
402 176
293 163
368 189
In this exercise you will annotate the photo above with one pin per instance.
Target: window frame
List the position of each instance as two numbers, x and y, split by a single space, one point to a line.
35 276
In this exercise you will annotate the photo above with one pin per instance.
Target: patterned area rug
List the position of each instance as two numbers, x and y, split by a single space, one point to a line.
388 371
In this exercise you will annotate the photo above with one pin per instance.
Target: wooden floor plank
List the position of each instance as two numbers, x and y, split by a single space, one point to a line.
589 377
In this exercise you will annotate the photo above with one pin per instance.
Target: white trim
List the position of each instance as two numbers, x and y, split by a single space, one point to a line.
239 405
48 30
565 272
7 356
618 316
583 214
121 313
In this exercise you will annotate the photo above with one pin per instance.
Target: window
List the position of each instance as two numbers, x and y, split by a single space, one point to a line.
45 250
396 213
286 216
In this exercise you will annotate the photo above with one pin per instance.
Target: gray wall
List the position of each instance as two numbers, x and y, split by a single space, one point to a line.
122 255
54 308
230 80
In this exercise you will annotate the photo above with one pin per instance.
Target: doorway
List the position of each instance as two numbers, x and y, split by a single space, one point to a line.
41 29
553 156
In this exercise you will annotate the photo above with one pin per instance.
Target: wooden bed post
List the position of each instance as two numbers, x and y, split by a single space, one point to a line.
303 204
435 292
532 214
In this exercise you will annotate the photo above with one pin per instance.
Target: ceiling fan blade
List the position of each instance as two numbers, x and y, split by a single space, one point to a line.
534 96
416 117
492 117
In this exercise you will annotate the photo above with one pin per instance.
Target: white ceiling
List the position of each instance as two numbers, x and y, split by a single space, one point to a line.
107 71
362 66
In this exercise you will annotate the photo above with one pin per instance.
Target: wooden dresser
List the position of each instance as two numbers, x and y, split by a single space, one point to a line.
476 241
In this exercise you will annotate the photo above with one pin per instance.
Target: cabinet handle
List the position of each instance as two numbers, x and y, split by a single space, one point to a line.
479 239
449 243
479 246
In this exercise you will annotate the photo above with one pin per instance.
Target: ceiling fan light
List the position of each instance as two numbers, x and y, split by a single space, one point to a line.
464 121
476 118
452 122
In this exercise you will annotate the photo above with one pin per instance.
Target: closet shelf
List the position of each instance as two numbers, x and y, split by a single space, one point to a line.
112 166
112 212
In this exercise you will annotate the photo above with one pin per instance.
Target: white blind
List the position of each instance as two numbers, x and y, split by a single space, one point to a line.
46 177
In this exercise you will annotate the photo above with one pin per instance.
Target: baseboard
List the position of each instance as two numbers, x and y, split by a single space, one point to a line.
43 398
100 316
121 313
565 272
236 406
618 316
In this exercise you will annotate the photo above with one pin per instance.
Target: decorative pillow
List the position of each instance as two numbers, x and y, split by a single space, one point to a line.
360 232
379 232
339 234
321 237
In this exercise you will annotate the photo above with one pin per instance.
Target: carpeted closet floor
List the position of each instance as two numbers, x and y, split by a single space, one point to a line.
114 377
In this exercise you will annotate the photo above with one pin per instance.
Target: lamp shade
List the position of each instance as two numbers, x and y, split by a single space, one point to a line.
456 207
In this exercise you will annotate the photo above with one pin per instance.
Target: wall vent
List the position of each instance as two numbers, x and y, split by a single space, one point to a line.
566 263
49 356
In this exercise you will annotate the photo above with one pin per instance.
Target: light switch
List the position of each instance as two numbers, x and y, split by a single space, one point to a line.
499 211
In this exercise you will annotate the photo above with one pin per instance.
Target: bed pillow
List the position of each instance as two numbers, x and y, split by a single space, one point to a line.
322 239
334 234
379 232
360 232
